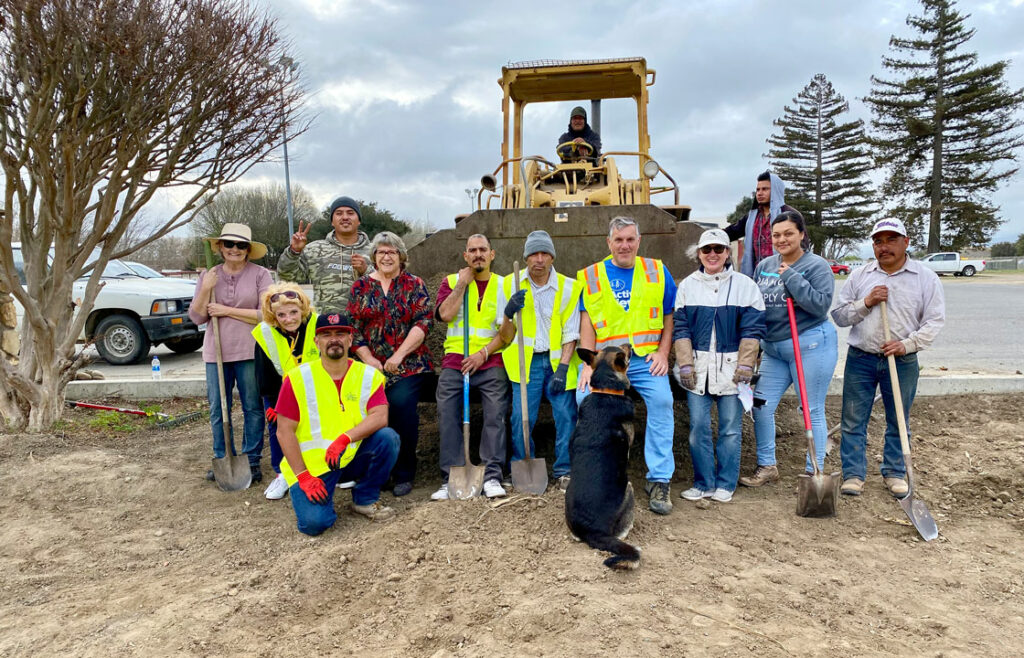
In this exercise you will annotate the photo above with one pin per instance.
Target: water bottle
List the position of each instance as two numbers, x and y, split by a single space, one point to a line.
156 367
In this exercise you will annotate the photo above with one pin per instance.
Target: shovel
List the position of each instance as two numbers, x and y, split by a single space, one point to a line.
529 475
916 510
231 471
465 482
816 494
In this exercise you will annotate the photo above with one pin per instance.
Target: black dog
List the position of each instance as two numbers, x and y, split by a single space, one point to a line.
599 499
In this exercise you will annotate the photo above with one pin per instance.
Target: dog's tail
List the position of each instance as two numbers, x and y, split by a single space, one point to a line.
626 556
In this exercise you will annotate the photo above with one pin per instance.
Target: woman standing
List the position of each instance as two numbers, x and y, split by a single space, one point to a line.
718 323
284 343
808 280
237 285
390 310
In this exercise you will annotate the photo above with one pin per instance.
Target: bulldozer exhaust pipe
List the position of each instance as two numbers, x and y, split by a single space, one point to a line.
488 182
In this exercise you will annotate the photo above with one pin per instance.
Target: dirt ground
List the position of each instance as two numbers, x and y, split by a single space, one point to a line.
112 544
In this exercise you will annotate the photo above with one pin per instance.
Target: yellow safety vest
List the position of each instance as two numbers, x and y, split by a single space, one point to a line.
483 324
641 326
324 415
275 345
567 296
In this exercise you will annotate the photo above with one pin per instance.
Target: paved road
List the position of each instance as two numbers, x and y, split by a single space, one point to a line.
983 316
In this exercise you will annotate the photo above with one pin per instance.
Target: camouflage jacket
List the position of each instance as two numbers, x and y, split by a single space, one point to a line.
327 264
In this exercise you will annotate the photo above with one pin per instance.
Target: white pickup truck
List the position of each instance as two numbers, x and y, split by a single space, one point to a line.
131 313
951 262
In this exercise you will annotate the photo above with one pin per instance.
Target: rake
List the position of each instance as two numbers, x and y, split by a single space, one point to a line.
164 420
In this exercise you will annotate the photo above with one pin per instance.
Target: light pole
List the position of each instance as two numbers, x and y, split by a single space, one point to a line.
287 66
471 193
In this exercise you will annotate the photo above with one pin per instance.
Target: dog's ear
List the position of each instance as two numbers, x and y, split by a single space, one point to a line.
587 356
628 349
622 360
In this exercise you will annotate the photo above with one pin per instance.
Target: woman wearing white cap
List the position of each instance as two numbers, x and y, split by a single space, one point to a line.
237 286
718 323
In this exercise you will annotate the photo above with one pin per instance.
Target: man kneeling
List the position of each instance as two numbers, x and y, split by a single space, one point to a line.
332 419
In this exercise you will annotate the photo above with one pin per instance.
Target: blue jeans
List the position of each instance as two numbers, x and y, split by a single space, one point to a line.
707 476
275 447
370 469
657 395
819 349
404 417
563 409
864 373
243 375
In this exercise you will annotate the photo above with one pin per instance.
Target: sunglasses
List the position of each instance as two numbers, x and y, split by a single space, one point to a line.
287 294
231 244
717 248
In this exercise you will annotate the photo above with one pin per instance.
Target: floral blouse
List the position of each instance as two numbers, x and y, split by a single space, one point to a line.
382 321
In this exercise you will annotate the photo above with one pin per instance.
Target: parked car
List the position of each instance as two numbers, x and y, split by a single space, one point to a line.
145 271
839 268
130 314
951 262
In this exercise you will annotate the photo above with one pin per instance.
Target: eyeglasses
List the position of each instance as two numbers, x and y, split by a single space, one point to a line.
231 244
717 248
287 294
386 252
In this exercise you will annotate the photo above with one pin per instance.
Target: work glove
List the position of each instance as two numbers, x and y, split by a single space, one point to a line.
335 449
515 304
557 383
685 376
271 415
742 374
313 487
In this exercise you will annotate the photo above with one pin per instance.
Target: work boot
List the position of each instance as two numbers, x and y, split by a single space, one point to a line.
402 489
897 486
762 476
257 474
374 511
852 487
660 497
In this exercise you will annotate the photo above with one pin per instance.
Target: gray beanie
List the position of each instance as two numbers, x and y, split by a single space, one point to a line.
538 241
345 202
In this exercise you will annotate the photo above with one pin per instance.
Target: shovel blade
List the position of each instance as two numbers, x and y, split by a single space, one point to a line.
919 515
465 482
530 475
232 473
817 495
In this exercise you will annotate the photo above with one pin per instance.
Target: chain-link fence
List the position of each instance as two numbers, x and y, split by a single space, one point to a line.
1007 263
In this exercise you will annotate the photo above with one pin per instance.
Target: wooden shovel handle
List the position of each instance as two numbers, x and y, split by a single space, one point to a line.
894 381
521 343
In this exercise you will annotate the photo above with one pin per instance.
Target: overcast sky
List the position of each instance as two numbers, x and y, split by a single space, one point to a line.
408 111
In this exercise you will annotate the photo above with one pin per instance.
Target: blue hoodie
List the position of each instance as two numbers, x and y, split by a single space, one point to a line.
745 227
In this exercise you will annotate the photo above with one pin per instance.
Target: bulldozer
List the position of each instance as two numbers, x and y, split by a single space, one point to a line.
574 197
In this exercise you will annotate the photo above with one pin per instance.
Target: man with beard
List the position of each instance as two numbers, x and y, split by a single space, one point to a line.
483 289
756 228
332 418
917 311
587 140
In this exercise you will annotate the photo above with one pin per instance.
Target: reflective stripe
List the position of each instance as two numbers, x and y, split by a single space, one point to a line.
651 270
456 331
593 280
655 311
366 390
311 403
271 347
601 324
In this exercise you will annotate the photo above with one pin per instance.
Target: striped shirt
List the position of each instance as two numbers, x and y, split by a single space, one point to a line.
544 307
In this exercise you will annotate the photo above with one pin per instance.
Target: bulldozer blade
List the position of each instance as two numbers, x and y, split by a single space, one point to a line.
530 475
232 472
817 494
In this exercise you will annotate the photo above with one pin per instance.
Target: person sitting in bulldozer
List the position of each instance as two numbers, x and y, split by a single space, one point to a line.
580 141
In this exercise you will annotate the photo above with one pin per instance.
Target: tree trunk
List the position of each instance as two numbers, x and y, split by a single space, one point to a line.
938 121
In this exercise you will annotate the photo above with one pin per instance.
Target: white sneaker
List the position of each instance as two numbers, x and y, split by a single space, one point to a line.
693 493
440 494
493 489
347 485
277 488
722 495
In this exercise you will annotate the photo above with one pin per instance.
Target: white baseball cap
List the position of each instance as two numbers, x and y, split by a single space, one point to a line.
894 225
713 236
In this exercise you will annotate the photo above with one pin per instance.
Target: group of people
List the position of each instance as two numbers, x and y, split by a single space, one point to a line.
339 386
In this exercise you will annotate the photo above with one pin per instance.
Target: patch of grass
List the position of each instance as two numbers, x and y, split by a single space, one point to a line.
113 421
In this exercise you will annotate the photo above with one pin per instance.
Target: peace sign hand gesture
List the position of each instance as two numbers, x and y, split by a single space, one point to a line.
299 239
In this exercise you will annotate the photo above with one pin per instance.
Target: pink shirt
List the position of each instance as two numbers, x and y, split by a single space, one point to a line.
242 290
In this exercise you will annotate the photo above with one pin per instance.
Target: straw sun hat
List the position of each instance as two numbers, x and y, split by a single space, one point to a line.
241 233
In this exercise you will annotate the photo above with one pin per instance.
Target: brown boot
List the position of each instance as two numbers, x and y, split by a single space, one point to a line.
763 475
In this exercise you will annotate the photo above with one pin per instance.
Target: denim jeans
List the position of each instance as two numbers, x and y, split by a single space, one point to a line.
243 375
563 409
404 417
370 469
707 475
275 447
864 373
819 349
657 396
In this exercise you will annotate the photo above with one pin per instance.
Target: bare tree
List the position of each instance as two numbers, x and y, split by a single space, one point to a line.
104 104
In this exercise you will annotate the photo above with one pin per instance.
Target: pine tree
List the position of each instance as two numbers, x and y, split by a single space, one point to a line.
945 129
825 163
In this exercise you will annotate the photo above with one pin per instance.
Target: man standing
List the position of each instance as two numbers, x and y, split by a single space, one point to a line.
331 264
587 140
551 327
332 419
483 289
756 227
627 305
917 311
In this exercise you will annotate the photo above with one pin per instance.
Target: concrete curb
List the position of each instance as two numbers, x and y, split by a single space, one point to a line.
195 387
